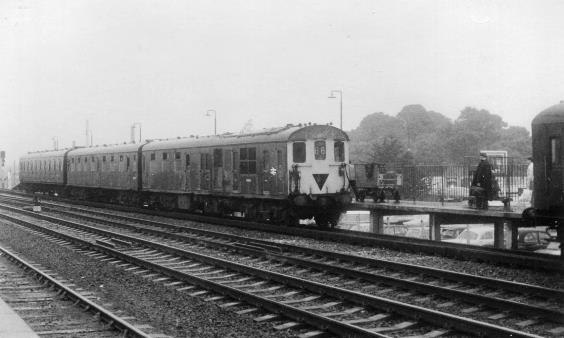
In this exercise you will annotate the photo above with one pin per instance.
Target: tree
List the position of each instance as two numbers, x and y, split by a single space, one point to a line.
475 130
371 132
421 136
516 140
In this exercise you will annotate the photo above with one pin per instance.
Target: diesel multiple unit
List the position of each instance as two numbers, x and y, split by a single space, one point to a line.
278 175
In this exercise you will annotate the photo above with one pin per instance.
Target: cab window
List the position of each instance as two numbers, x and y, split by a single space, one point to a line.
299 152
320 150
339 151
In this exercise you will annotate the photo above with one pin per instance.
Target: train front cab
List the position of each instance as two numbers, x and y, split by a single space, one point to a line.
318 182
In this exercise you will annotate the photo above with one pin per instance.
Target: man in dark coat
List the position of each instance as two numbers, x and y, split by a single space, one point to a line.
483 178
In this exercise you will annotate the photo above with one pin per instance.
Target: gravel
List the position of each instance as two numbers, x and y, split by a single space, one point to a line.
533 277
169 311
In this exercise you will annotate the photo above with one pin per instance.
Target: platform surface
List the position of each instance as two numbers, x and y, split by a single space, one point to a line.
12 325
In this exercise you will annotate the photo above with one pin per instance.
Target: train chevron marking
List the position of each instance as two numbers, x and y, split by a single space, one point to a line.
320 179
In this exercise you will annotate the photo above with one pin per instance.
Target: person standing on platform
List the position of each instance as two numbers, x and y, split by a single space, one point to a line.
483 179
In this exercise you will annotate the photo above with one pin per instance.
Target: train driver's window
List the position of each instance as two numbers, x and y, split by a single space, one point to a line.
339 151
554 150
320 150
299 152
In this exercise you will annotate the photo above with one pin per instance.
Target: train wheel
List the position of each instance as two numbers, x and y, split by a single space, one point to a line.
322 220
289 218
334 220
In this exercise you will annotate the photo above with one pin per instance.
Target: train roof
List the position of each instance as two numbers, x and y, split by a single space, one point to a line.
283 134
554 114
105 149
44 154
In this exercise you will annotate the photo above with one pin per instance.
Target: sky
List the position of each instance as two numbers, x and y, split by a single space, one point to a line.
263 63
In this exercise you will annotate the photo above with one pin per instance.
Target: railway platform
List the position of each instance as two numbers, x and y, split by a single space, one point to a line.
447 213
12 325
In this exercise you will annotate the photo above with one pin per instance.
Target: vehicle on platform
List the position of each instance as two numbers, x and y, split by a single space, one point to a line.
278 175
548 159
372 180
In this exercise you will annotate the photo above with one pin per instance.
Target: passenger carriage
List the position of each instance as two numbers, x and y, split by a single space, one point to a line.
44 171
104 172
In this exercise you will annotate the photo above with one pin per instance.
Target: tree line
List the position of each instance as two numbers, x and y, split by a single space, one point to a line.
416 135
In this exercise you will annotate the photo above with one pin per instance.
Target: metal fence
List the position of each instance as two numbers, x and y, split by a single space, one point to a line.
448 182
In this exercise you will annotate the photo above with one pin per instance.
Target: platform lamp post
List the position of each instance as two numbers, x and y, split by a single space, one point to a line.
332 96
135 124
208 113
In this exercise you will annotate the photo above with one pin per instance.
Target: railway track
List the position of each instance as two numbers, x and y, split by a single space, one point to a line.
453 250
260 262
52 308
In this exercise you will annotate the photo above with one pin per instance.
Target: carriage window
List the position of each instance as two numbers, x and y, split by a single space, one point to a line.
177 155
248 161
218 158
104 158
299 152
187 160
165 156
339 151
127 163
554 150
319 150
152 156
112 158
121 158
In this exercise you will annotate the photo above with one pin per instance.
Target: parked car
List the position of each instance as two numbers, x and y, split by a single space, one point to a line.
532 239
451 231
527 239
477 235
418 232
553 248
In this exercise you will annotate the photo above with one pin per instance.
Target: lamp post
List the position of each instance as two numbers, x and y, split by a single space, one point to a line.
332 96
135 124
208 113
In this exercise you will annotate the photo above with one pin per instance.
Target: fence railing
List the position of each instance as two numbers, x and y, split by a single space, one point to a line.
441 182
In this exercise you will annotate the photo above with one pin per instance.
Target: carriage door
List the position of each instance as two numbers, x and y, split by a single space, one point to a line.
217 173
248 170
280 172
267 173
187 173
235 176
228 171
205 171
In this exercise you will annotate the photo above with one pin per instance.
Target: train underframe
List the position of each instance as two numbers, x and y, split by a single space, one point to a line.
324 209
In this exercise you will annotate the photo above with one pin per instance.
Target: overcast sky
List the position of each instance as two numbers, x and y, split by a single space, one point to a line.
165 63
